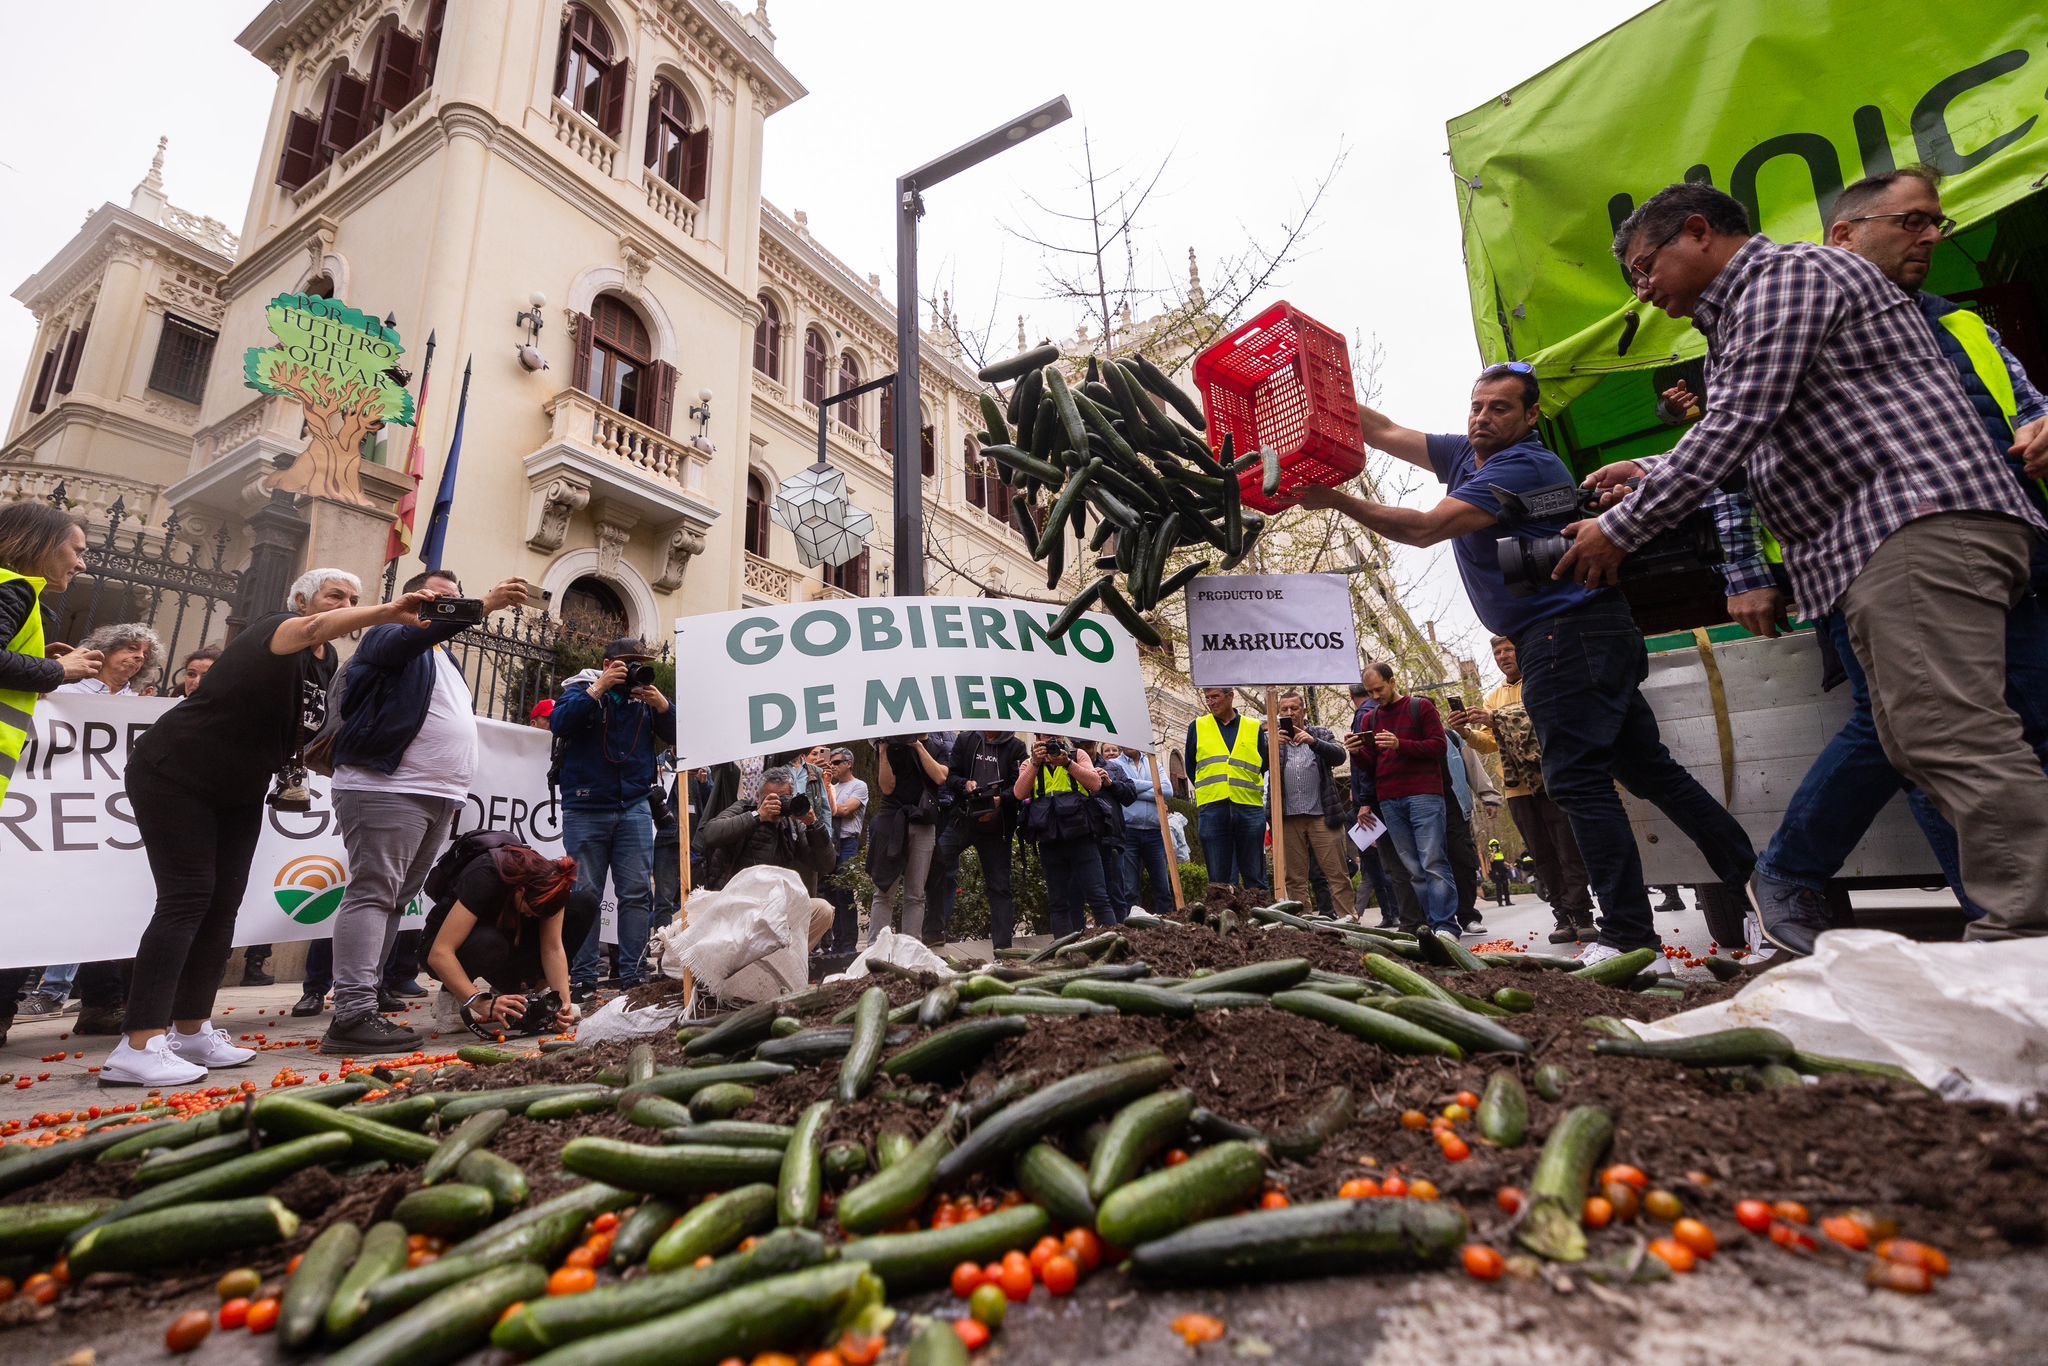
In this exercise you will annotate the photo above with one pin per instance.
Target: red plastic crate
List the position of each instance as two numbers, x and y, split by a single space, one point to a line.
1283 382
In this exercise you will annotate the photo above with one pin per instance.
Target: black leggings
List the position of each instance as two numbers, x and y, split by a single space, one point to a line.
488 952
199 852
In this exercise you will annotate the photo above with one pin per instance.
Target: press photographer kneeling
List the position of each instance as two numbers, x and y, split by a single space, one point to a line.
504 913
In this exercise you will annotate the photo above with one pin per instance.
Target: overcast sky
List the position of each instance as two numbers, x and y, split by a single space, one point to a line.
1250 102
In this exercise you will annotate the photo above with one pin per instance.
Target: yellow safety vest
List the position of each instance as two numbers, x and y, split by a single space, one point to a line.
1057 778
1228 772
18 706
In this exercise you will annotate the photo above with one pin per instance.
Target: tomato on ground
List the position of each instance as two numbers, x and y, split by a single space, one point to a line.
41 1288
1510 1199
604 1223
1673 1254
1910 1253
1623 1172
1597 1213
973 1333
1482 1263
1085 1248
1176 1156
1394 1187
234 1313
988 1305
1017 1280
1060 1275
188 1330
1467 1099
967 1279
263 1314
1662 1204
584 1256
1198 1328
572 1280
1414 1119
1274 1200
1696 1236
1455 1149
826 1358
1903 1277
1753 1215
860 1349
1791 1211
1043 1251
1358 1188
1627 1204
241 1283
1422 1189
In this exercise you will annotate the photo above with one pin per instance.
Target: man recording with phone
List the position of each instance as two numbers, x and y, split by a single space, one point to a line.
405 756
609 725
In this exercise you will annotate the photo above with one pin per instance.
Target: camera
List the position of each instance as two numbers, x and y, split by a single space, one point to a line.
1669 580
468 611
797 804
289 791
1055 748
639 676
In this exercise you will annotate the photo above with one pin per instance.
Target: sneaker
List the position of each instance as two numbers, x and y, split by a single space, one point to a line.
155 1064
309 1005
253 975
1789 916
209 1048
1597 952
584 996
370 1033
97 1020
41 1003
389 1003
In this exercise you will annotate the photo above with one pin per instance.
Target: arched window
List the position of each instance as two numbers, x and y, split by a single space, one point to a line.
849 378
887 426
754 534
996 484
321 286
768 340
620 358
587 77
592 608
398 70
677 149
815 363
970 459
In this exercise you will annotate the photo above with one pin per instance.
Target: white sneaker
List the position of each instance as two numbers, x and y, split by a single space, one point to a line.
1597 952
208 1048
154 1064
1761 950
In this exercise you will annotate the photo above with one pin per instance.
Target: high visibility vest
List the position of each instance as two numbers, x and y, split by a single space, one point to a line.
1057 778
18 706
1974 337
1228 772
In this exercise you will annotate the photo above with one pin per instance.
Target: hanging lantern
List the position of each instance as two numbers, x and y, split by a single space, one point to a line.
808 494
813 507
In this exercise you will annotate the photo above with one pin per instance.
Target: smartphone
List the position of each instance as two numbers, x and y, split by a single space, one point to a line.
1287 725
1457 702
469 611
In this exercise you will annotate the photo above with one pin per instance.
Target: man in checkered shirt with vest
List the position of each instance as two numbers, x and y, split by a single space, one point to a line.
1862 453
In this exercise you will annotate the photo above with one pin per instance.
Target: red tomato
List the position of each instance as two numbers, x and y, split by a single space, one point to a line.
1753 1215
1274 1200
1791 1211
604 1223
234 1313
1085 1248
1482 1263
263 1315
1394 1187
1468 1099
1902 1250
1358 1188
1623 1172
1016 1281
975 1335
1697 1236
1422 1190
1414 1119
1903 1277
1043 1251
1455 1149
188 1330
572 1280
966 1278
1791 1237
1060 1275
1176 1156
584 1256
824 1359
1510 1199
1673 1254
860 1349
600 1245
1597 1213
41 1288
291 1268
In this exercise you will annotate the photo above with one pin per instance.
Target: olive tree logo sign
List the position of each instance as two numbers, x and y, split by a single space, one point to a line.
310 888
342 367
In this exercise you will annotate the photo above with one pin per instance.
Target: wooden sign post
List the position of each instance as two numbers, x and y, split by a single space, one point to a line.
1276 802
1180 900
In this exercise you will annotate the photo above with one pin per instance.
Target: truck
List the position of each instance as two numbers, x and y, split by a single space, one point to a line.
1781 106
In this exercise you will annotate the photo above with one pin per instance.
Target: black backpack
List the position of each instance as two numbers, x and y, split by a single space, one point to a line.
439 886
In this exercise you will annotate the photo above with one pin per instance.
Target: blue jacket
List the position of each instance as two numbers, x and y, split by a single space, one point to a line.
609 744
1142 814
386 689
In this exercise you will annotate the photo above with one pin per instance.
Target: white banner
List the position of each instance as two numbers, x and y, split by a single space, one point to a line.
1259 630
783 678
77 881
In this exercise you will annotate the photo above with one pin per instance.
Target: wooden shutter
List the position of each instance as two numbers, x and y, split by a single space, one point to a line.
562 54
67 370
582 332
397 76
927 452
44 378
697 165
348 107
859 586
300 160
653 127
612 98
662 401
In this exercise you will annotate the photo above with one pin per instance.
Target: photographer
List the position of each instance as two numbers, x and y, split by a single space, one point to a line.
1312 825
1057 786
782 829
609 724
504 916
405 756
903 831
1582 657
982 767
1116 793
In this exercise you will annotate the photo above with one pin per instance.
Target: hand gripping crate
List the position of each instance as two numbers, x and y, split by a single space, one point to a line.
1283 382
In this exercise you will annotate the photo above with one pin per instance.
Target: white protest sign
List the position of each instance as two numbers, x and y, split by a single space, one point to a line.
782 678
1251 630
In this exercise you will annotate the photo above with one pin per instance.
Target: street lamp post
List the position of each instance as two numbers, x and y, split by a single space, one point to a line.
909 519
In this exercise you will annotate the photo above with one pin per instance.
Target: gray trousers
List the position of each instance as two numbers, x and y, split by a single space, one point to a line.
1927 619
917 868
393 839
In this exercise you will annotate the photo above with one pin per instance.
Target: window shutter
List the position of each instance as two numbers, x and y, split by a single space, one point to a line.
617 79
927 454
562 56
301 157
397 76
44 378
860 574
67 370
697 165
653 128
348 106
582 332
663 404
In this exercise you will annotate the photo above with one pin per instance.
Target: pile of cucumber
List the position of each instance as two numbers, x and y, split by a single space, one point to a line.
1106 448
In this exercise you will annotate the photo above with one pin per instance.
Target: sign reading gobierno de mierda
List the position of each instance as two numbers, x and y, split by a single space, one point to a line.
774 679
1252 630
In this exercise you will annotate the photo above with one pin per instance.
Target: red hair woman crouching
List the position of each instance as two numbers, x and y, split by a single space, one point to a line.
502 915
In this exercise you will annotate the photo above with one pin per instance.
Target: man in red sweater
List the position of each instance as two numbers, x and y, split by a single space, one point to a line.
1400 758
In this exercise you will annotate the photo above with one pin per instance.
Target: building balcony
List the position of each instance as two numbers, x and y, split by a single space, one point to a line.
89 493
670 203
344 167
583 137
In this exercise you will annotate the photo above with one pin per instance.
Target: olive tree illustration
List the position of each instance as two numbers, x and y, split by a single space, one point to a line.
337 362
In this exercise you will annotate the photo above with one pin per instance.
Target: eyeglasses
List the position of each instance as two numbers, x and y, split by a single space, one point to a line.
1914 221
1638 270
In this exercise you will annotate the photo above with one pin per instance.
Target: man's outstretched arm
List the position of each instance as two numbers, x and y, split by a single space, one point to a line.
1450 518
1382 433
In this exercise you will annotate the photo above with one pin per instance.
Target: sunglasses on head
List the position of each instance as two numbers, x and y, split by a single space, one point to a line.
1508 367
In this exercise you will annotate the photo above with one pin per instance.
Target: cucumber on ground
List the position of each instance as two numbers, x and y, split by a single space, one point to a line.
654 1112
891 1147
1550 1081
910 1262
513 1098
247 1175
1459 956
783 1311
1263 978
950 1051
685 1082
801 1183
537 1225
1052 1179
308 1290
937 1007
714 1226
1404 979
1374 1026
845 1159
1037 1005
720 1101
1328 1238
937 1343
731 1133
1557 1192
1131 998
454 1210
26 1230
739 1030
902 1184
870 1023
1303 1140
640 1230
1076 1098
278 1112
488 1055
688 1170
572 1103
502 1177
807 1046
384 1253
1815 1064
1217 1179
1230 1000
1471 1032
1503 1110
410 1113
1615 971
448 1326
133 1140
177 1236
1611 1027
473 1133
1139 1130
40 1164
172 1163
1746 1047
1514 999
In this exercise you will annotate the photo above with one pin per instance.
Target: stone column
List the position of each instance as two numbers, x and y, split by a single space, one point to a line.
277 538
109 346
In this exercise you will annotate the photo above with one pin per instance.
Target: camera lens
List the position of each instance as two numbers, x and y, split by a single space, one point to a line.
1527 564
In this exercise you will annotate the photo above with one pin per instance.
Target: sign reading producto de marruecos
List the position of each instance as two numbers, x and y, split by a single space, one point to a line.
773 679
1251 630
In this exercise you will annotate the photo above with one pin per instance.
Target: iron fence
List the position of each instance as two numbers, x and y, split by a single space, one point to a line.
517 658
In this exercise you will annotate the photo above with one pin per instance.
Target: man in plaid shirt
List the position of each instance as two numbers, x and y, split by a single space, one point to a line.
1893 506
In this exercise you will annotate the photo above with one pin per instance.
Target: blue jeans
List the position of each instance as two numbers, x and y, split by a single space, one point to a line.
1582 672
620 843
1112 856
1142 850
1416 826
1234 842
1851 780
1073 884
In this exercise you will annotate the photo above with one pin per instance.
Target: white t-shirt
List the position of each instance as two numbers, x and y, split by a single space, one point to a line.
441 760
856 789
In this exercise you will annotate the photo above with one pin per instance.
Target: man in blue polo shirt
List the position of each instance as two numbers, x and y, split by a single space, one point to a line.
1582 657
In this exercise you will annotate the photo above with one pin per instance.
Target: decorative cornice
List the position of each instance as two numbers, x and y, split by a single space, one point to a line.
112 232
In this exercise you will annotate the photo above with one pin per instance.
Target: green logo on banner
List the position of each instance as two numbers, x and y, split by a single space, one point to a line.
309 889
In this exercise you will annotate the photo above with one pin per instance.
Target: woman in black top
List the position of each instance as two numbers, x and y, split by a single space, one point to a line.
512 912
196 781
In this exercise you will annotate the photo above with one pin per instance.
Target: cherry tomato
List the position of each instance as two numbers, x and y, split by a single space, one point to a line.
1598 1213
1394 1187
42 1288
972 1333
1467 1099
1456 1111
827 1358
1903 1250
188 1330
944 1217
600 1245
1085 1248
234 1313
966 1280
419 1256
572 1280
1422 1190
1847 1232
1696 1236
1627 1204
1060 1275
241 1283
860 1349
511 1309
263 1314
1414 1119
1673 1254
583 1256
1482 1263
1627 1175
1176 1156
988 1305
604 1223
1662 1204
1017 1281
992 1274
1044 1250
1274 1200
1753 1215
1903 1277
1358 1188
1510 1199
1791 1211
1791 1237
1455 1149
1198 1328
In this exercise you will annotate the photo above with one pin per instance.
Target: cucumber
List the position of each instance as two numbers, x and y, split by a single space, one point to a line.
688 1081
714 1226
1217 1129
1127 617
1557 1192
954 1049
1230 1000
572 1103
739 1030
1815 1064
1343 991
1024 362
995 428
1330 1237
513 1098
1154 379
1052 1179
1775 1076
543 1225
1503 1110
1038 1005
411 1113
449 1325
1514 999
1611 1027
938 1344
1616 971
40 1164
731 1133
656 1112
1405 979
331 1093
1213 1181
488 1055
864 1055
902 1184
910 1262
1140 1130
1473 1033
1304 1140
383 1255
1724 969
891 1147
1479 1006
796 1307
1460 957
248 1175
1076 1098
1748 1047
1071 425
639 1231
1131 998
172 1163
473 1133
844 1160
937 1007
687 1170
455 1210
279 1113
178 1235
801 1183
1264 978
1374 1026
721 1100
1550 1081
982 986
30 1229
807 1046
1269 479
134 1140
559 1319
502 1177
309 1289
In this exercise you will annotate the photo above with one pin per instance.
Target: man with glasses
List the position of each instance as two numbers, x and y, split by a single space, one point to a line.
1891 502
